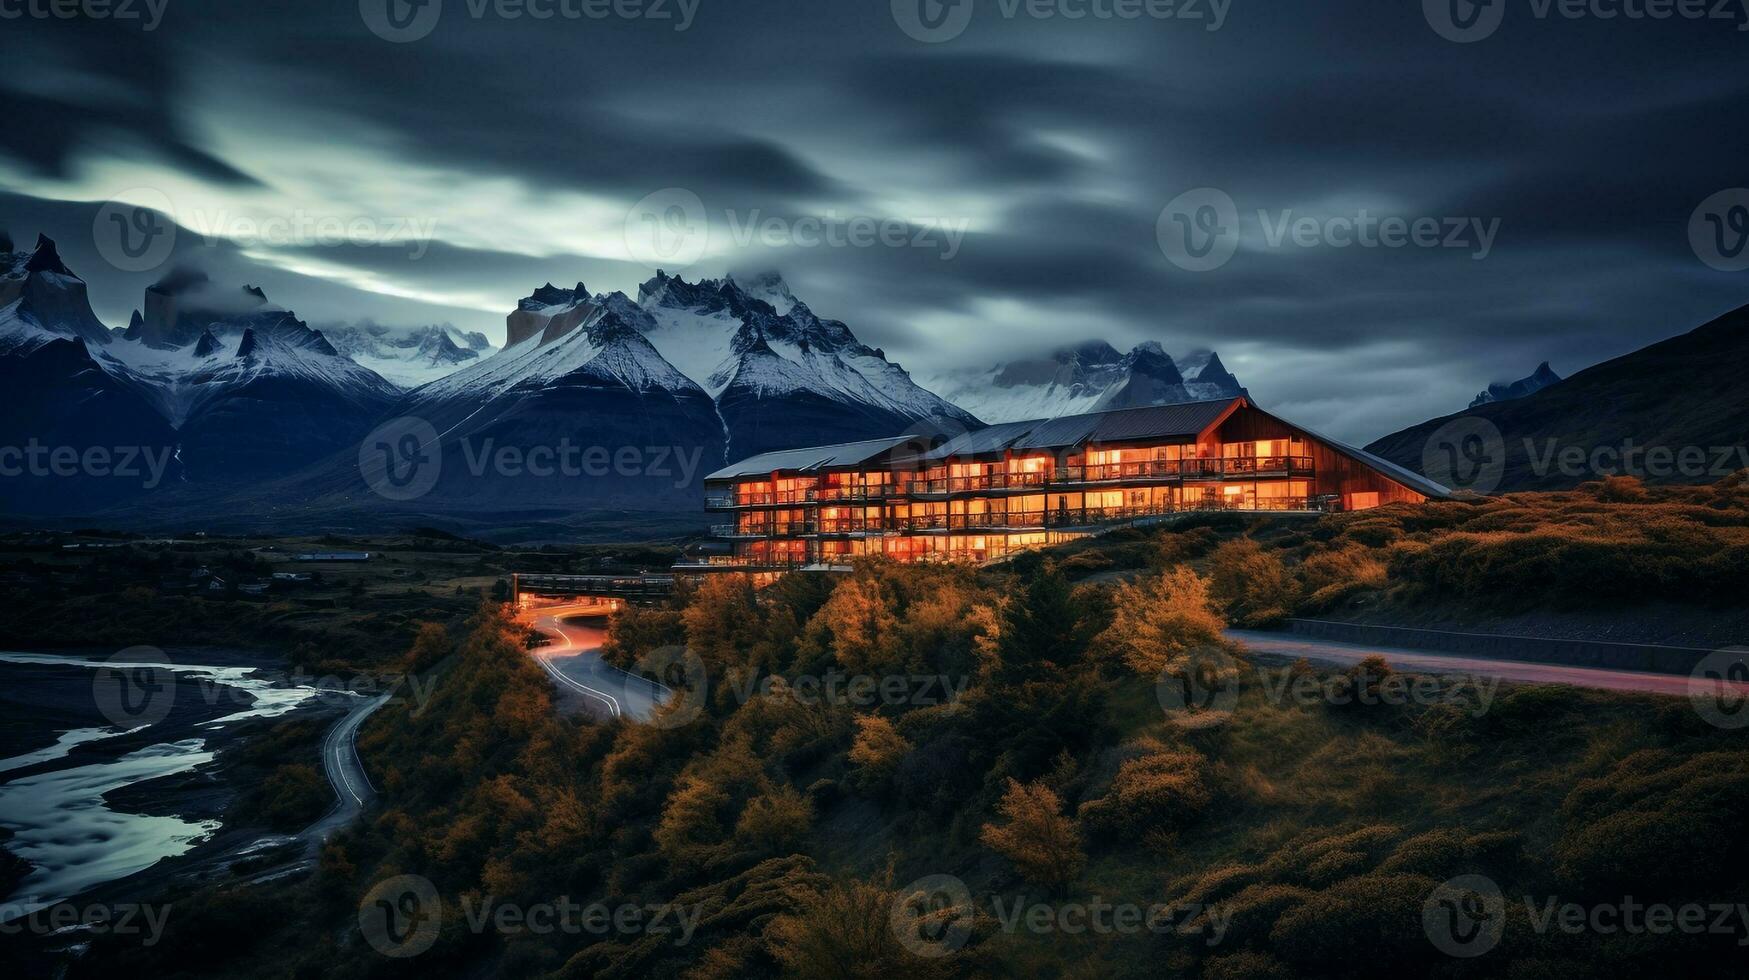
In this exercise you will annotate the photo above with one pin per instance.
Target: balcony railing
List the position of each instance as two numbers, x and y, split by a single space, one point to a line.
727 501
1153 469
743 562
768 529
1065 517
835 494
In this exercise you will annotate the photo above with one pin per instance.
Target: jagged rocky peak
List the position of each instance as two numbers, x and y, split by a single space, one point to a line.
208 345
550 312
1502 391
246 346
185 303
1152 360
49 295
46 258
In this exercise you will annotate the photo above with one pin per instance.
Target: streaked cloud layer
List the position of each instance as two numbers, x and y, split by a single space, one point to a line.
442 178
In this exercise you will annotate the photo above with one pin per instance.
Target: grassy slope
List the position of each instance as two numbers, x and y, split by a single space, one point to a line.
1690 390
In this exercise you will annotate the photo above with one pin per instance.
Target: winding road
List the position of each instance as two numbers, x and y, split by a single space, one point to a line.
574 662
1291 647
345 772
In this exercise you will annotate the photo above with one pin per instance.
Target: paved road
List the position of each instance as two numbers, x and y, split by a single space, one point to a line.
345 773
574 661
1421 661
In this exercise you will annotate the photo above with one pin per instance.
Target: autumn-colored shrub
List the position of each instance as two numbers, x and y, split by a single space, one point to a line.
878 747
1251 584
1165 623
1163 790
1044 845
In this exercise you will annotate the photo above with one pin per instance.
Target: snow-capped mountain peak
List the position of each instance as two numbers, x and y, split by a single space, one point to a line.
408 356
1086 377
41 300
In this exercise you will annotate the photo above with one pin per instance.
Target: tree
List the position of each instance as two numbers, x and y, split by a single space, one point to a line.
878 747
1040 626
1166 624
1044 845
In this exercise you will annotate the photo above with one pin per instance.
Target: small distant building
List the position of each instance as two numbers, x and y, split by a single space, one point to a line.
292 578
216 585
335 556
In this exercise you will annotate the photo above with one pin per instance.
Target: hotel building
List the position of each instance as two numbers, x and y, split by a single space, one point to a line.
981 494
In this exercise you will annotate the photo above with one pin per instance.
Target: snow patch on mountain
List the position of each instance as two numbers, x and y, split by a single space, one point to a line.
1501 391
408 356
1088 377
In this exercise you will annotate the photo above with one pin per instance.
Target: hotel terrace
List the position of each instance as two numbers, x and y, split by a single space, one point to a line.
982 494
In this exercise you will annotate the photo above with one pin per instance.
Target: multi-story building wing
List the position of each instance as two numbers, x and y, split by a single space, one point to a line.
981 494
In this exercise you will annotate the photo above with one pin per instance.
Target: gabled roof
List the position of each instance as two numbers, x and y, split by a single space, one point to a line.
1180 420
1119 425
809 459
1407 477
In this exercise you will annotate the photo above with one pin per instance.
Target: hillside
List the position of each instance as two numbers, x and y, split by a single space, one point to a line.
1689 393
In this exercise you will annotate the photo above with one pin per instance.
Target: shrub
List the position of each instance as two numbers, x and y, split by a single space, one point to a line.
1165 624
1164 790
1044 845
878 747
1251 583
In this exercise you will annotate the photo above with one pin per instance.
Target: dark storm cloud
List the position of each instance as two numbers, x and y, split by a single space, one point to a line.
1056 143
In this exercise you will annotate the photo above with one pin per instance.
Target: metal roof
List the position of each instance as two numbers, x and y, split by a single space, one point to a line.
1119 425
1153 421
808 459
1063 432
1402 474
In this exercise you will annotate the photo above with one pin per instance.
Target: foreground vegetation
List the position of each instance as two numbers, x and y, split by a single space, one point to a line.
1019 742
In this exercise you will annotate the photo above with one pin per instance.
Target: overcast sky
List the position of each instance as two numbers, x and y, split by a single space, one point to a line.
961 184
